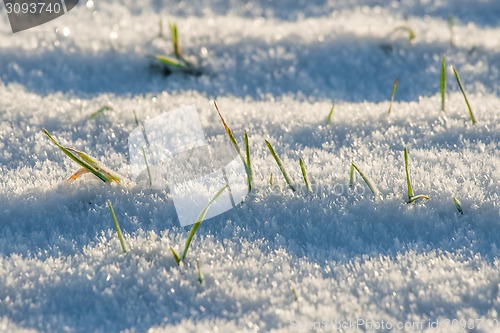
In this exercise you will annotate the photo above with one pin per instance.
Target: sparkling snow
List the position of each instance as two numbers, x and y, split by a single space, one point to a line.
275 68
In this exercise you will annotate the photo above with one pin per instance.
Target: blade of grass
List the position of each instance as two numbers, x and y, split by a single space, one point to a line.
236 147
100 111
471 115
169 61
147 166
304 174
329 118
295 295
136 119
442 83
200 275
367 180
351 176
271 179
408 183
458 205
417 197
411 197
411 33
198 221
74 158
117 227
280 165
175 40
110 175
229 133
248 163
394 87
143 129
176 256
77 174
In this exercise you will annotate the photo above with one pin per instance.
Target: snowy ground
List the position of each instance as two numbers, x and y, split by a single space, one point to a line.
275 68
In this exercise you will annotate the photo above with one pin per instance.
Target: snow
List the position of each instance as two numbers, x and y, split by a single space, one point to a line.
275 68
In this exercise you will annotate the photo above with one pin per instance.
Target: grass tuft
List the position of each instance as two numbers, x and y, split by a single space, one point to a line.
458 205
329 118
471 115
280 165
411 197
117 227
87 163
248 168
304 174
442 83
367 180
394 87
198 221
177 61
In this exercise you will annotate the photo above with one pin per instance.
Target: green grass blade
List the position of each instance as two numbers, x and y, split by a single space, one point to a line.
229 133
136 119
110 175
169 61
280 165
411 197
271 179
471 115
248 163
100 111
442 83
147 167
394 87
329 118
117 227
236 146
458 205
176 256
83 164
408 183
304 174
351 176
200 218
367 181
417 197
295 295
200 274
411 33
175 40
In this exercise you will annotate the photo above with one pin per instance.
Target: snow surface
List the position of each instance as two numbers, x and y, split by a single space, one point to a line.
275 69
